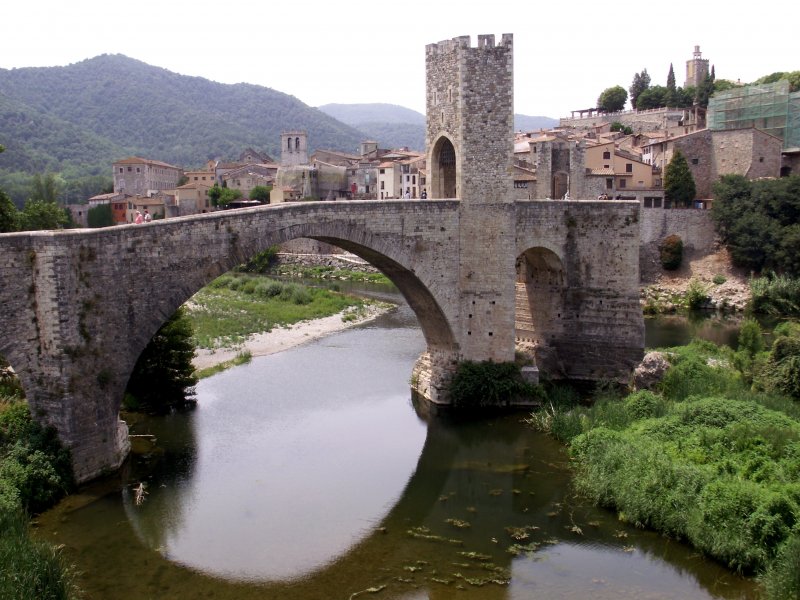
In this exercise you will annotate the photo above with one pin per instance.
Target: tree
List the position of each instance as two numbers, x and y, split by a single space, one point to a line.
100 216
617 126
214 193
759 221
641 81
39 215
261 193
704 91
671 97
44 188
163 378
612 99
9 215
731 202
228 195
652 97
679 187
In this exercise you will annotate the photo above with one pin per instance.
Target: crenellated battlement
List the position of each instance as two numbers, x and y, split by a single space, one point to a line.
464 42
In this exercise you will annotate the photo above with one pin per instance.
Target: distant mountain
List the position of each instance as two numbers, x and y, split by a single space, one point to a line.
394 126
76 120
390 125
526 123
354 114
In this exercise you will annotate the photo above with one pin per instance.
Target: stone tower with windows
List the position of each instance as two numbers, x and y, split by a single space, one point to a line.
294 148
470 147
470 119
696 69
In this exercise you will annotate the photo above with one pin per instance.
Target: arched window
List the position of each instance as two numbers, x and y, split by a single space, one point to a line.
288 143
443 170
297 143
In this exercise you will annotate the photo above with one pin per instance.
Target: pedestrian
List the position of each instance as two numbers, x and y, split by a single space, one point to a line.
139 219
423 195
147 217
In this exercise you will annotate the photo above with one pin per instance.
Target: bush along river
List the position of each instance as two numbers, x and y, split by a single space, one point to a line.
310 474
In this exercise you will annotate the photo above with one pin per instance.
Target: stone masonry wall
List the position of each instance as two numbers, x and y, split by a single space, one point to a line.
598 331
695 228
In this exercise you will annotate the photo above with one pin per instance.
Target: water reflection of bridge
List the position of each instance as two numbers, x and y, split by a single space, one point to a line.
466 472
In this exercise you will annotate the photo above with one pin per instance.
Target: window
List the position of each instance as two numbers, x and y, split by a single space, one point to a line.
383 171
414 179
621 183
760 159
382 188
289 143
628 168
138 170
129 169
695 161
297 143
121 169
606 155
609 183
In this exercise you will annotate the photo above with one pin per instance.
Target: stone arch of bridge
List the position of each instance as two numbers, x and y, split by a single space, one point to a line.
443 182
540 299
433 320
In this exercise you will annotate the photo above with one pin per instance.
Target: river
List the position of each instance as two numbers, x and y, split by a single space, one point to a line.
310 474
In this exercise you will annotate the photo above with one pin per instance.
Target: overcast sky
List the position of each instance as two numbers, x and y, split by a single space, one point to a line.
323 51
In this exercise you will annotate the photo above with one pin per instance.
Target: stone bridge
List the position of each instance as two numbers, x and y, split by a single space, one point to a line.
79 306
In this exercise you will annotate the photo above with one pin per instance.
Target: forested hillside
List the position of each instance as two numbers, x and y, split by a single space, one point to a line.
76 120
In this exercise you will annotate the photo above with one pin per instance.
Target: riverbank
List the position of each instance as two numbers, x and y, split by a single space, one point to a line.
725 287
279 339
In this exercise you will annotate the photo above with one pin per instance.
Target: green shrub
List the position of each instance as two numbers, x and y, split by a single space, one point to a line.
696 295
31 569
782 579
750 339
261 261
671 252
693 376
775 295
644 404
782 371
32 461
486 384
719 279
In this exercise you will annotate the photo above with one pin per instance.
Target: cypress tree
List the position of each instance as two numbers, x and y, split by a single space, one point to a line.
679 187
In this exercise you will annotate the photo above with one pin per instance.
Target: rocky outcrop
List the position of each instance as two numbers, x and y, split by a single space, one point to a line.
650 371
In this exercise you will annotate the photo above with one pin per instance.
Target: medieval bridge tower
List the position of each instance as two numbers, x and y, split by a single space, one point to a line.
469 138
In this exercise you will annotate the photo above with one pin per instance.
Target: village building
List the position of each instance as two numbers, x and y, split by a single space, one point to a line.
192 198
749 152
249 176
144 177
